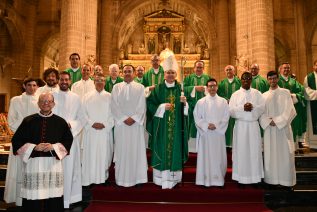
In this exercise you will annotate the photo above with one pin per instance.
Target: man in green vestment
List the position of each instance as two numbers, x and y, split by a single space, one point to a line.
75 69
169 142
225 89
297 94
154 76
139 72
113 77
258 82
194 87
310 83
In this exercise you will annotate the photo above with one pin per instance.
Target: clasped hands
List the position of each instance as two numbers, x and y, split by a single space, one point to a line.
44 147
248 107
129 121
211 126
98 126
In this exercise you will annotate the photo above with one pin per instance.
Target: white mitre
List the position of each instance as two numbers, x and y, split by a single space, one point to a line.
170 63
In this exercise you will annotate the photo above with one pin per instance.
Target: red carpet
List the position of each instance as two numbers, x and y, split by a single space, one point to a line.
150 207
185 197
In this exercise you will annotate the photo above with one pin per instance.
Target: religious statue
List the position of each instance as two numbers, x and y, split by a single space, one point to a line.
141 49
186 49
177 46
130 47
206 53
151 46
121 54
198 48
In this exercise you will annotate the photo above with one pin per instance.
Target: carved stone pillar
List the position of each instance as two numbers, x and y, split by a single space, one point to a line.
105 56
254 34
72 31
223 37
90 30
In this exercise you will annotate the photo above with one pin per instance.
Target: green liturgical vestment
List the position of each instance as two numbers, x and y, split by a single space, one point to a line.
150 78
225 90
299 122
260 84
311 81
189 83
109 84
75 75
169 148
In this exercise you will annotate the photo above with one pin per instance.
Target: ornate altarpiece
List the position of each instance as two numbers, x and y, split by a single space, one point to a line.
164 33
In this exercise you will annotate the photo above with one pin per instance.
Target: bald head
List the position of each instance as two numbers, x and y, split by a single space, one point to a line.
46 103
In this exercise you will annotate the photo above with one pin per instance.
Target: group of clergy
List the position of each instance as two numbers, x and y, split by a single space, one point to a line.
116 119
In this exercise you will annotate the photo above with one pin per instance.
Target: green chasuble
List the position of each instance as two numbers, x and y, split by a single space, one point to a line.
189 83
109 84
260 84
136 79
75 76
299 122
225 90
169 149
150 78
311 81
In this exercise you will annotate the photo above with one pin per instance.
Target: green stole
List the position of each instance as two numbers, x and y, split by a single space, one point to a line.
313 104
260 84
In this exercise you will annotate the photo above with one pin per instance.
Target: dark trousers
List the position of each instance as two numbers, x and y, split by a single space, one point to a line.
48 205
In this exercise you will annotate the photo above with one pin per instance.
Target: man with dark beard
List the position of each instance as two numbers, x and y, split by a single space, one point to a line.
51 77
69 107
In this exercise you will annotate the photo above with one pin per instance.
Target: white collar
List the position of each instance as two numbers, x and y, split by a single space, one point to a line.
169 85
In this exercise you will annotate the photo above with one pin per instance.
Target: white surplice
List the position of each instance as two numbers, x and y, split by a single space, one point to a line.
43 175
211 144
310 95
20 107
82 87
68 106
247 162
128 100
46 88
97 144
279 159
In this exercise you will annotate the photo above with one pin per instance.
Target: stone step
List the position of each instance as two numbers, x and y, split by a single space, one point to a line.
307 177
3 172
4 155
306 160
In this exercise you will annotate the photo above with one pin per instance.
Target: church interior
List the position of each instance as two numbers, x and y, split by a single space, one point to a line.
38 34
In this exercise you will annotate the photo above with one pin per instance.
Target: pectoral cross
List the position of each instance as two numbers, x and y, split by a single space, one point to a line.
171 99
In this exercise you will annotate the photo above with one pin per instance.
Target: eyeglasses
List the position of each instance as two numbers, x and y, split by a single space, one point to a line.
46 101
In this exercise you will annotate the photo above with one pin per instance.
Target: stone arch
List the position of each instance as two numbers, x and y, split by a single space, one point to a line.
282 53
196 17
50 51
313 44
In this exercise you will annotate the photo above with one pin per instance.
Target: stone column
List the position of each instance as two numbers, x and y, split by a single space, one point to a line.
91 14
72 34
105 45
223 37
300 68
254 34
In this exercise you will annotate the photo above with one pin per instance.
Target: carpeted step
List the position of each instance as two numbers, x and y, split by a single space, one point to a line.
192 158
189 174
146 207
186 192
